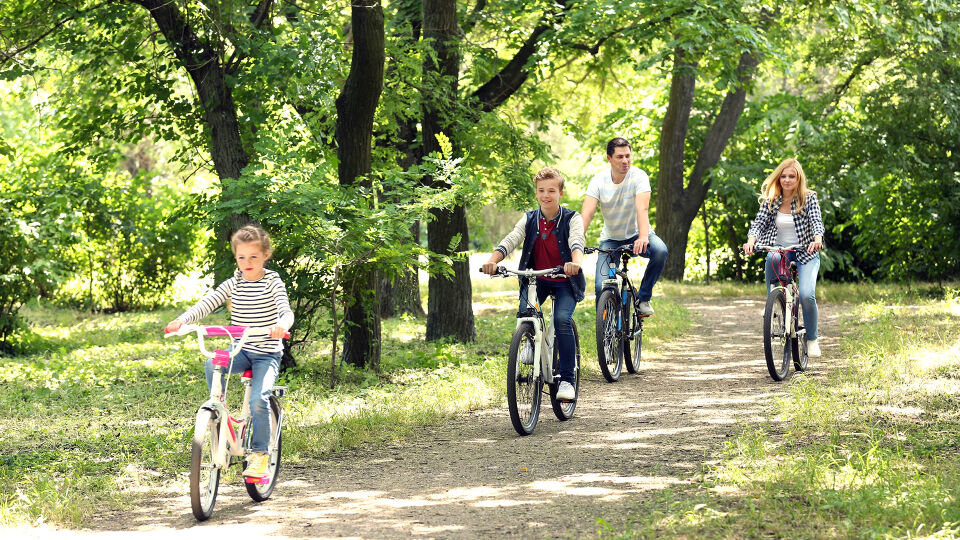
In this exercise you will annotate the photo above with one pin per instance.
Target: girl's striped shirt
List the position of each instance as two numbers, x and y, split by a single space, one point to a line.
262 302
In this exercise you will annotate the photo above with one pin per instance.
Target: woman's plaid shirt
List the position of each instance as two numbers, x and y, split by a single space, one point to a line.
809 223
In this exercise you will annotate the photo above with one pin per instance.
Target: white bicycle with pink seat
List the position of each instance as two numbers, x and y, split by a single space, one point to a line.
218 436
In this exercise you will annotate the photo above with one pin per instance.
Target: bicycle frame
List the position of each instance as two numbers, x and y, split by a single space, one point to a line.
786 277
618 274
229 441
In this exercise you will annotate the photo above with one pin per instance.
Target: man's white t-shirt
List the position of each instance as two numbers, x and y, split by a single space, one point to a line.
618 202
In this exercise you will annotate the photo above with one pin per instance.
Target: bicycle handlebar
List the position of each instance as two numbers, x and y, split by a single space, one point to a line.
780 248
628 248
201 330
503 271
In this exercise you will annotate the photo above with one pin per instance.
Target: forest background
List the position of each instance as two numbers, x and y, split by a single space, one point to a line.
377 140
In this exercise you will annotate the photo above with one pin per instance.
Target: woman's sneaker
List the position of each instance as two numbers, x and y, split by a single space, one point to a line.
813 348
566 392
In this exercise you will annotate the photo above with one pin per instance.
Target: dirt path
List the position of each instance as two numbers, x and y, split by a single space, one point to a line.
474 477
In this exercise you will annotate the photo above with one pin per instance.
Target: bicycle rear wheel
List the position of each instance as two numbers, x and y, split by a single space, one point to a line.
609 345
261 492
632 335
775 336
564 409
524 382
204 474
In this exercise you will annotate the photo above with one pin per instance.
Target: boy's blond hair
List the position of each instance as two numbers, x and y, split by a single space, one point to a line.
548 173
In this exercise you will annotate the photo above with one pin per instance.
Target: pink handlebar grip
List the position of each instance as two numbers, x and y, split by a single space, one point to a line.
227 331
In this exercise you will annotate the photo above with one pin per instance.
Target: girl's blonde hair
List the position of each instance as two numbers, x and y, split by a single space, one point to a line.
771 188
251 234
549 173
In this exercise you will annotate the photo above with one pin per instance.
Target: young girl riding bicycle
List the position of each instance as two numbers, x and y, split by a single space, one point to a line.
551 236
257 297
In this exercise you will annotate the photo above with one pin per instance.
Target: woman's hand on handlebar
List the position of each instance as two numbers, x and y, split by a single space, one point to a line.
815 246
173 326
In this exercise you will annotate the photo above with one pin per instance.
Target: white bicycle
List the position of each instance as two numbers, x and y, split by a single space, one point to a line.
218 436
533 360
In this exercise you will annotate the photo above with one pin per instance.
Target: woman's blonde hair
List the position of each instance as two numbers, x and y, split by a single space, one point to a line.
771 188
251 234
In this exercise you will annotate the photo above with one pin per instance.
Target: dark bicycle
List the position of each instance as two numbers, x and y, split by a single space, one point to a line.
619 322
784 337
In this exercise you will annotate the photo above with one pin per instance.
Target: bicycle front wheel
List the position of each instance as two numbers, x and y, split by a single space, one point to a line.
564 409
775 336
799 345
524 383
632 335
204 474
262 491
609 346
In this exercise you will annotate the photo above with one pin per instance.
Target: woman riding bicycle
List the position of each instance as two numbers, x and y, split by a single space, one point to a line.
789 214
551 236
257 297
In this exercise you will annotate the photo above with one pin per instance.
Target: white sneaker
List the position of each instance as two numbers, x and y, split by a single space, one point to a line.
813 349
644 309
566 392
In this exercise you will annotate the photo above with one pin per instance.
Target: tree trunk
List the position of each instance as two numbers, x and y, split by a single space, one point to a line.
450 299
677 205
355 112
205 67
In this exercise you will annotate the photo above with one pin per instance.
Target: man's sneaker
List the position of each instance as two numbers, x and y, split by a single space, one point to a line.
257 463
813 348
644 309
566 392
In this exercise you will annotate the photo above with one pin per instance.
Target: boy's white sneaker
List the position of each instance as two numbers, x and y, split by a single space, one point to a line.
813 349
566 392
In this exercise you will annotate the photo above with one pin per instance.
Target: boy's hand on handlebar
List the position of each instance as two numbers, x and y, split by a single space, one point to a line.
277 332
172 326
571 269
489 268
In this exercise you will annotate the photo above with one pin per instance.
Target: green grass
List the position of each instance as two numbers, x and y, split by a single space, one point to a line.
101 413
868 452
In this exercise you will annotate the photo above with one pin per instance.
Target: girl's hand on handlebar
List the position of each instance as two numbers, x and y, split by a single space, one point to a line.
173 326
277 332
571 269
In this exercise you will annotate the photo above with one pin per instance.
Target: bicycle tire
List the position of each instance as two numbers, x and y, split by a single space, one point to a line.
204 474
799 346
609 345
262 492
775 347
632 336
564 409
524 382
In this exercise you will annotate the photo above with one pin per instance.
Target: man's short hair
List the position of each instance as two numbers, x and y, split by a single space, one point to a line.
615 143
548 173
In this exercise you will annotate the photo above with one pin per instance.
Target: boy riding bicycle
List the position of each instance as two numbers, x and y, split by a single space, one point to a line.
551 236
257 297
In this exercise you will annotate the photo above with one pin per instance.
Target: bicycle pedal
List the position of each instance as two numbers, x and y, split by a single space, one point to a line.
255 480
279 391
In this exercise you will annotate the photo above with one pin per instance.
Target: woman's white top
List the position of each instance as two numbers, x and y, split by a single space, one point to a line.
786 230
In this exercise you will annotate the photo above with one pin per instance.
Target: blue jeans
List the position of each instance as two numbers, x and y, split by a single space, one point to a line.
265 367
656 252
563 305
806 287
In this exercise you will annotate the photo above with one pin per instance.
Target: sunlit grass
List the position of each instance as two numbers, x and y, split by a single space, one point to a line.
869 451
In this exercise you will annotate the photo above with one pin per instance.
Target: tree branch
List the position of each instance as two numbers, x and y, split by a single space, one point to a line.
473 17
257 19
509 79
